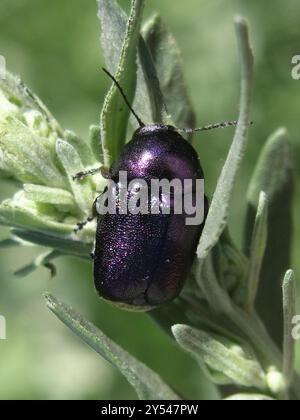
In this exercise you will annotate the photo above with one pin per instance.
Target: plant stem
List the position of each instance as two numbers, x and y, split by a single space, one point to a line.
257 252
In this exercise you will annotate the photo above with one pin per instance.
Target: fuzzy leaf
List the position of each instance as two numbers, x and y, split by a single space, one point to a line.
113 21
167 59
22 213
274 175
227 360
113 25
115 113
63 199
148 99
216 296
95 142
26 156
148 385
153 89
257 252
82 148
218 213
83 192
16 99
147 95
229 263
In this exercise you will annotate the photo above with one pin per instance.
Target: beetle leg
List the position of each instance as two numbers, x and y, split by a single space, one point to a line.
82 175
81 225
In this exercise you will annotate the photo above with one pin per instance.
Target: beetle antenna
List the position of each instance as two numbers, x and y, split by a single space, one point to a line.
224 124
141 124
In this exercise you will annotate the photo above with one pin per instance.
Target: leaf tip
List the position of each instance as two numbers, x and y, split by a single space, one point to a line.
59 145
263 197
262 210
50 300
289 278
178 330
240 21
282 131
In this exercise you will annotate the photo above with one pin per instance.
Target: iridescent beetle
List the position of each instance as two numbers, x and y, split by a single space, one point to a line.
142 260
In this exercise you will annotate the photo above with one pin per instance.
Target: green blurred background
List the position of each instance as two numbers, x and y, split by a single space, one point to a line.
54 46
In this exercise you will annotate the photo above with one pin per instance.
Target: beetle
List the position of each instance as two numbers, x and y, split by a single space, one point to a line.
141 261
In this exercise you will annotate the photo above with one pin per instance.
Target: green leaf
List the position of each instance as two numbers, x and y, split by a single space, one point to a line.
44 260
228 360
66 245
148 385
289 312
151 89
113 22
215 294
257 252
218 213
82 191
16 99
148 99
230 264
82 148
274 175
95 142
62 199
27 156
22 213
115 113
168 63
10 243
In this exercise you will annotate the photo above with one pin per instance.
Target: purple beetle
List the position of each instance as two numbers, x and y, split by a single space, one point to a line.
142 260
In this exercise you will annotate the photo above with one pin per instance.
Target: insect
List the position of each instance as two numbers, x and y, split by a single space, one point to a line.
142 260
